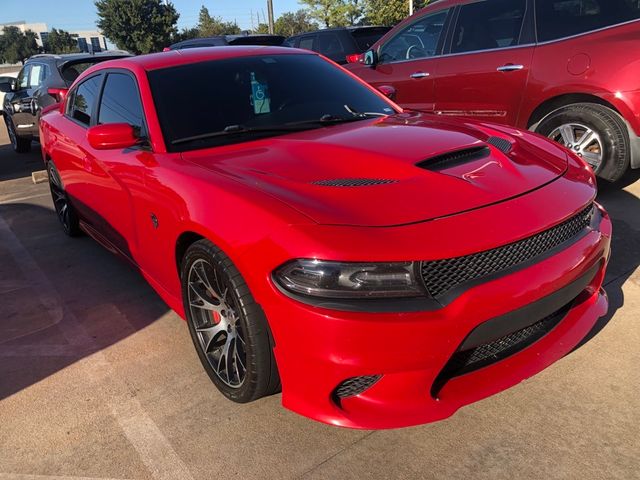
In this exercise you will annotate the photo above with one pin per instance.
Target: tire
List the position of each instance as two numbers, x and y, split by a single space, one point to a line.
20 145
223 317
64 210
611 133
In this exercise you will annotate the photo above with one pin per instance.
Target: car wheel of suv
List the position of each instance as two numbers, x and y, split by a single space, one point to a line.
227 326
64 210
20 145
593 132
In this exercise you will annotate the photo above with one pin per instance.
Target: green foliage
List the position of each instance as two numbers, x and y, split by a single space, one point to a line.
330 13
15 46
389 12
60 41
294 23
139 26
211 26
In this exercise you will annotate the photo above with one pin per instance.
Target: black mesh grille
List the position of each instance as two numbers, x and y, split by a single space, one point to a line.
452 159
355 386
470 360
354 182
500 143
442 276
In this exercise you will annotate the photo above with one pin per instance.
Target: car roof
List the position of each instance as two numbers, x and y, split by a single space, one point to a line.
68 57
343 29
175 58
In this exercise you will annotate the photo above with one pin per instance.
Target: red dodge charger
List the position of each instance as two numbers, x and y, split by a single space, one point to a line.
382 267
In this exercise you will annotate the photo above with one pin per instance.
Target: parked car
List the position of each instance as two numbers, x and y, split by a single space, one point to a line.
224 40
384 267
566 69
339 44
38 85
7 77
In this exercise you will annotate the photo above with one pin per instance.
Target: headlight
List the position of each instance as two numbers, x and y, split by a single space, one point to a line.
324 279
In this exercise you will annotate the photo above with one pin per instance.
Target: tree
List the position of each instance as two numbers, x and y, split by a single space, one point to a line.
139 26
185 34
330 13
293 23
16 46
60 41
389 12
211 26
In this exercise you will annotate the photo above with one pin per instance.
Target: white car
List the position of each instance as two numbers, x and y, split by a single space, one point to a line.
6 77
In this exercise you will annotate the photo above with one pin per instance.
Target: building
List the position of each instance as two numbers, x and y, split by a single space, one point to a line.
88 40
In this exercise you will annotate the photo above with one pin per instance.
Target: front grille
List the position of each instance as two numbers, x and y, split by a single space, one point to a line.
354 182
467 361
355 386
443 276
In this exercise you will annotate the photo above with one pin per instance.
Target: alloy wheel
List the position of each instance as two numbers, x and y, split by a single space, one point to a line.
582 140
60 200
217 324
12 135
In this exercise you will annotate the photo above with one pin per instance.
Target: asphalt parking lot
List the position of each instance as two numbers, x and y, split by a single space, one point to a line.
98 379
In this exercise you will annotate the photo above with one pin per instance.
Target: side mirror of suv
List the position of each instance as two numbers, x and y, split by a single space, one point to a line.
6 87
371 58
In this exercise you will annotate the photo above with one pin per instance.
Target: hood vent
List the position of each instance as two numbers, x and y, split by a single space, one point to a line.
354 182
455 158
501 144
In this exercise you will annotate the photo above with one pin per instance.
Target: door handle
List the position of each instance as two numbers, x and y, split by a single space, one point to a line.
419 75
510 67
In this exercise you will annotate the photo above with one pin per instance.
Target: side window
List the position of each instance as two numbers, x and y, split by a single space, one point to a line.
82 101
419 40
488 25
308 42
37 75
121 103
564 18
23 77
329 45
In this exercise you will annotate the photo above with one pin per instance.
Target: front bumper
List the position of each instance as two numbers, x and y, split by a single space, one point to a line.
317 349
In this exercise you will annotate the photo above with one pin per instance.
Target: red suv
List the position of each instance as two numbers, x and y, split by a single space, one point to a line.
567 69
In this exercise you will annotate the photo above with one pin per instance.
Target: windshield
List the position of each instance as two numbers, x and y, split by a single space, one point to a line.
234 100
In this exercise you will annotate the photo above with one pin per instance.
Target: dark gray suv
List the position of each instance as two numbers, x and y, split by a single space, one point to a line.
35 88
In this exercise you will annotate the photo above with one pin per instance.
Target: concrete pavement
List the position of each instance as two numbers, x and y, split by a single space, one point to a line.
98 379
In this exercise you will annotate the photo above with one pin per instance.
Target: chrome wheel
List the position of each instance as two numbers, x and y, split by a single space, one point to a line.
582 140
217 324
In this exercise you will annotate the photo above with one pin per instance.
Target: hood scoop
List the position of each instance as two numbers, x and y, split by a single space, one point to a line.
354 182
455 158
501 144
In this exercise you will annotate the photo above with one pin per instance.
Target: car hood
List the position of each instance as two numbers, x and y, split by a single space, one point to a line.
398 170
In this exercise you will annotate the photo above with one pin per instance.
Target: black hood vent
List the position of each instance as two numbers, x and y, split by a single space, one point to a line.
455 158
354 182
501 144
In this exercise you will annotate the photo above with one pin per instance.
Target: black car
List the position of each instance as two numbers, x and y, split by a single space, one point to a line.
223 40
338 44
32 91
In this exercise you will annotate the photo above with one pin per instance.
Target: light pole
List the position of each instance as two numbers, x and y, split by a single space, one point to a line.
410 7
270 12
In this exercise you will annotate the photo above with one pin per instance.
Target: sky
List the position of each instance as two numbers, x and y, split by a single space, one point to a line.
81 14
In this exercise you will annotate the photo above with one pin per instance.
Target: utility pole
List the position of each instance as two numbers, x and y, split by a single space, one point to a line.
271 21
410 7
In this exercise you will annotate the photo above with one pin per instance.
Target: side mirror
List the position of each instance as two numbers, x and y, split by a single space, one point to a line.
6 87
112 136
371 58
388 91
58 93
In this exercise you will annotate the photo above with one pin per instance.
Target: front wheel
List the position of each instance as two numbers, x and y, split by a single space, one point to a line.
228 328
593 132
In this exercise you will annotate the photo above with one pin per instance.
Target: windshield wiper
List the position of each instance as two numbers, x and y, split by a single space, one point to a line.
330 119
239 130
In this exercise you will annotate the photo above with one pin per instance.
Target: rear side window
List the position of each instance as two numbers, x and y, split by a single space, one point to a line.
120 102
366 37
308 43
488 25
565 18
82 101
329 44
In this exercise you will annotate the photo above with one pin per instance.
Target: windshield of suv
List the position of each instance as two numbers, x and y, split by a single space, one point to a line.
229 101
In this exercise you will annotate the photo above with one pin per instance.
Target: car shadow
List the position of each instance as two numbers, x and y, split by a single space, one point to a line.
623 207
14 165
62 298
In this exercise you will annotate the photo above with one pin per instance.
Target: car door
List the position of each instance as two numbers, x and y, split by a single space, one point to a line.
21 101
409 62
117 175
485 71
